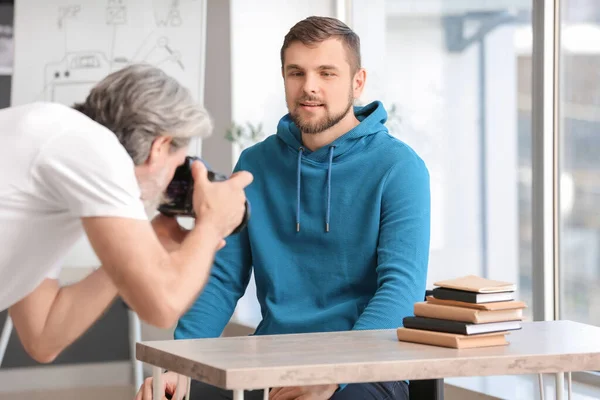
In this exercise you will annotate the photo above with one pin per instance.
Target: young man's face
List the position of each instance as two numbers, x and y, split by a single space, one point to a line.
319 84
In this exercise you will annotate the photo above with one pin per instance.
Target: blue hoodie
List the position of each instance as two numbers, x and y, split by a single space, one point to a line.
338 237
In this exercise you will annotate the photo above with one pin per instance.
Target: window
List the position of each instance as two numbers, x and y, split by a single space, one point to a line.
579 163
455 79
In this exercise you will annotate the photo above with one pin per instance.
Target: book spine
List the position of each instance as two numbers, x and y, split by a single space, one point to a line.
445 312
458 296
434 325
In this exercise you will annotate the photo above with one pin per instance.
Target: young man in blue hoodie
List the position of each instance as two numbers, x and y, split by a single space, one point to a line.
339 234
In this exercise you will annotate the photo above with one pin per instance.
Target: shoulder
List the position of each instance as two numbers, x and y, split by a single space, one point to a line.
398 155
75 130
255 154
48 122
75 139
60 116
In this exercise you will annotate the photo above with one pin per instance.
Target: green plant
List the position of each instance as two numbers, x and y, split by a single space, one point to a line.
394 120
245 135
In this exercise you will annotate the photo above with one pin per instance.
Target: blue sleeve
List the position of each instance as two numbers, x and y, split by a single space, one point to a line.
403 247
228 280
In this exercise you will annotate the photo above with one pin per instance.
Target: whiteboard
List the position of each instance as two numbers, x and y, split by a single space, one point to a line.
62 48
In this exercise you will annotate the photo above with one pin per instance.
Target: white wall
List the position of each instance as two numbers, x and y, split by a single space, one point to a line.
502 150
368 20
258 29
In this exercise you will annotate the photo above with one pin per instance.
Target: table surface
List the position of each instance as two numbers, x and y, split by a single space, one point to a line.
255 362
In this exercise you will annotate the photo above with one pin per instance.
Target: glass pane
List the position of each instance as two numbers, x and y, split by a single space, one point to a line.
455 77
580 161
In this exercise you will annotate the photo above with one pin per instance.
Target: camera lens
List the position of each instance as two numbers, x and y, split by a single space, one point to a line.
177 189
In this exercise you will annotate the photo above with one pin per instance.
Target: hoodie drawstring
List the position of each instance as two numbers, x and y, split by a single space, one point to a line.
300 150
329 188
298 186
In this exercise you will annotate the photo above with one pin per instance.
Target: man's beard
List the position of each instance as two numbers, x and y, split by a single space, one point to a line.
152 193
324 123
151 205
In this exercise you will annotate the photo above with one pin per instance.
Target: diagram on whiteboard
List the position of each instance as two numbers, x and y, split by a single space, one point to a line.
116 12
66 12
172 16
85 41
79 71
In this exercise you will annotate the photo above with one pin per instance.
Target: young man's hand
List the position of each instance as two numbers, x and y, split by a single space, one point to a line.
169 383
321 392
220 205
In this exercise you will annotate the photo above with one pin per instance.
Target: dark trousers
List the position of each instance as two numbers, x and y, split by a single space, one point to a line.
354 391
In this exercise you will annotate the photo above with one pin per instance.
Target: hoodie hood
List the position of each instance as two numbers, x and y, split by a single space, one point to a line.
372 118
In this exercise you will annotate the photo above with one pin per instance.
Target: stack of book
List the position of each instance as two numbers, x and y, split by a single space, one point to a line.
465 312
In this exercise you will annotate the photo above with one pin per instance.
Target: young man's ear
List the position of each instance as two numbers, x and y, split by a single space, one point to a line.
161 146
358 82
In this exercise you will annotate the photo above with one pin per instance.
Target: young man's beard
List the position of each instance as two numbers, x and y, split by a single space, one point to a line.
325 123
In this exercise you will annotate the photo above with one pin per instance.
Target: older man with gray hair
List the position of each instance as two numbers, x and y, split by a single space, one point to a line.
100 168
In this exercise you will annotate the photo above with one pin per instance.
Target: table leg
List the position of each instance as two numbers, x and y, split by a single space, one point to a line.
157 389
238 395
266 394
541 383
569 385
560 385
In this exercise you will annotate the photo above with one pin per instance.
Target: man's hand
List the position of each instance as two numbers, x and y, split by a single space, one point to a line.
170 233
322 392
169 384
220 205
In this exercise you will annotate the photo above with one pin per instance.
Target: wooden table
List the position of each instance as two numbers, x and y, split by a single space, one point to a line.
259 362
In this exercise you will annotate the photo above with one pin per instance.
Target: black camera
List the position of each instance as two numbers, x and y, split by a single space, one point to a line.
180 193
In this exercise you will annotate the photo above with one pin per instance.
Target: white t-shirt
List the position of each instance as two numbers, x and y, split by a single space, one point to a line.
56 166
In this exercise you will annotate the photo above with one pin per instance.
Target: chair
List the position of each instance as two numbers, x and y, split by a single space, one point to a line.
426 389
135 335
5 336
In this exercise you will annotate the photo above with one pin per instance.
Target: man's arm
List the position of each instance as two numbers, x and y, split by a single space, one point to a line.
228 280
157 285
212 310
51 317
403 249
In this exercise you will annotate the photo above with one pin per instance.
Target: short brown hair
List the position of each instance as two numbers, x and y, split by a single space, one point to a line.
314 30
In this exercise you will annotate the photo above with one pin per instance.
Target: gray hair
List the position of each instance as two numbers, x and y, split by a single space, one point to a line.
140 103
